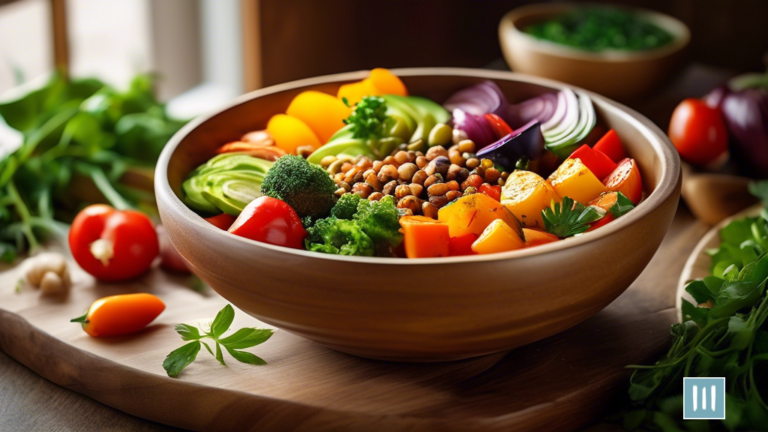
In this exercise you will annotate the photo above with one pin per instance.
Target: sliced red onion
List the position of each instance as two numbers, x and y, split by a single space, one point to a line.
475 126
479 99
527 141
540 108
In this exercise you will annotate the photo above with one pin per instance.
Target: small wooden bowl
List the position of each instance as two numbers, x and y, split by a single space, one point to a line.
616 74
420 309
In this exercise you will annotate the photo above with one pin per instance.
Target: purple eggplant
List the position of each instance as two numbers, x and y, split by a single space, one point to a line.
527 142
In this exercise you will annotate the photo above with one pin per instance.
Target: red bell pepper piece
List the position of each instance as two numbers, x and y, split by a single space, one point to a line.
597 162
611 146
462 245
499 126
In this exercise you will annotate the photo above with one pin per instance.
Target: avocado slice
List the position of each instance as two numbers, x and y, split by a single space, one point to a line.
440 114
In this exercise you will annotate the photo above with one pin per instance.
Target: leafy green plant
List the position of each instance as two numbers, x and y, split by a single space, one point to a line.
247 337
723 335
75 128
568 218
368 117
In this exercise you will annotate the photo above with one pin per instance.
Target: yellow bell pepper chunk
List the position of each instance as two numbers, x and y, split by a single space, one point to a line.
498 237
472 213
323 113
354 92
290 133
526 194
573 179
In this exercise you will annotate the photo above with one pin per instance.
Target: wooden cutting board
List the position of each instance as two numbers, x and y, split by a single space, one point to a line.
561 383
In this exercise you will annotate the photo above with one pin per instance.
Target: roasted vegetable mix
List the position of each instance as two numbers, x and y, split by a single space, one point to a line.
374 171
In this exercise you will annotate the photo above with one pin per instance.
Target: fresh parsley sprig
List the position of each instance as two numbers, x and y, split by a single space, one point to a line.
568 218
623 205
368 117
248 337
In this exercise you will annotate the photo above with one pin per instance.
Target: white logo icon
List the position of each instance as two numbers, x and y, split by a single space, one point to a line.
713 398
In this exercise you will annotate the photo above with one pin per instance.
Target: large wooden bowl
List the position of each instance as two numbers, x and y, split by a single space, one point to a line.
615 74
419 309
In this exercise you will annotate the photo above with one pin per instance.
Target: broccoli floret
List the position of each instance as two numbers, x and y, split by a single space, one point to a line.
307 188
346 206
379 220
339 237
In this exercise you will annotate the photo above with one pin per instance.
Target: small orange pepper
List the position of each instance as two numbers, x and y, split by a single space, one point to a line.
121 314
425 237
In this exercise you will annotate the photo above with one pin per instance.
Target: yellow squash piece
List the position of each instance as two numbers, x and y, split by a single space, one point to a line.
526 194
387 82
472 213
355 92
323 113
573 179
498 237
290 133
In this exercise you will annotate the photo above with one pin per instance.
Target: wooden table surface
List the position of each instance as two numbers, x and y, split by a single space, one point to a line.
29 402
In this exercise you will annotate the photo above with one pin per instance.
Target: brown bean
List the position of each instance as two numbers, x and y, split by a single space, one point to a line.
419 177
364 163
372 180
402 191
453 185
362 189
389 188
346 166
467 146
501 182
339 192
438 200
486 163
452 195
347 187
469 190
406 171
459 136
327 161
438 189
492 175
463 174
430 181
388 172
377 165
472 163
478 171
436 151
389 160
439 165
410 202
401 157
358 176
453 172
474 180
338 178
421 161
375 196
429 210
456 158
504 175
412 156
416 189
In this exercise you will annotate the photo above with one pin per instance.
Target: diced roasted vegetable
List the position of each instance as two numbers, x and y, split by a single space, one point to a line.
573 179
425 237
472 213
526 194
498 237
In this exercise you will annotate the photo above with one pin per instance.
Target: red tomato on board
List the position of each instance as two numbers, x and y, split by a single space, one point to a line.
222 221
698 132
113 245
272 221
627 180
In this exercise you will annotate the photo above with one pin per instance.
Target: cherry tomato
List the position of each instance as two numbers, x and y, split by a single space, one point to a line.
113 245
272 221
627 180
462 245
492 191
698 132
499 126
611 146
222 221
121 314
601 222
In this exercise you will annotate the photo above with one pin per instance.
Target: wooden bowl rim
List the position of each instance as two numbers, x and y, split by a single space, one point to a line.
508 29
667 185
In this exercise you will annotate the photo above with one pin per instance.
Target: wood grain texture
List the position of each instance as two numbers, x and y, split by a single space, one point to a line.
560 383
